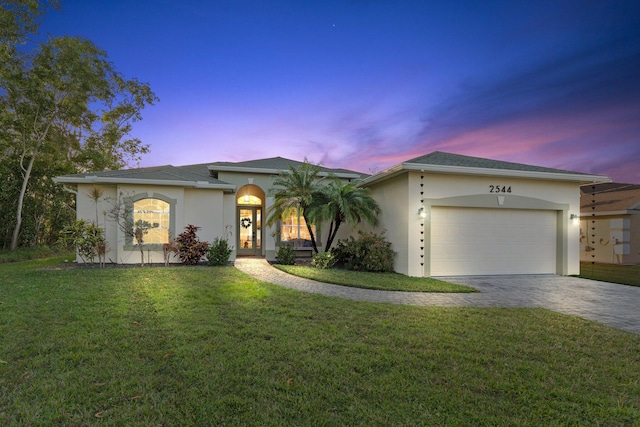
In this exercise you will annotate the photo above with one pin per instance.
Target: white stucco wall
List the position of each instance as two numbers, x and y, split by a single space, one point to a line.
209 209
400 198
131 254
438 186
393 198
86 209
205 209
265 183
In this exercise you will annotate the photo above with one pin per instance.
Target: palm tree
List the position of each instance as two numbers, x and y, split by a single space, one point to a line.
296 188
343 202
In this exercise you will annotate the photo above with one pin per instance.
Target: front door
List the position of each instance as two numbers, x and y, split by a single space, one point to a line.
249 231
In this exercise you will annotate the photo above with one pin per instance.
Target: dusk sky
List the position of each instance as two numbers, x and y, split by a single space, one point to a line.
366 84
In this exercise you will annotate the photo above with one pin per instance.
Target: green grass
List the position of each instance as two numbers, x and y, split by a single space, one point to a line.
212 346
380 281
33 252
624 274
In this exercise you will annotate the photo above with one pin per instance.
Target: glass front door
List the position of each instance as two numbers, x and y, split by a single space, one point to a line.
249 231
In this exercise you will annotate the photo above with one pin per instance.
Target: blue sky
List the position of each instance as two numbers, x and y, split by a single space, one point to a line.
365 84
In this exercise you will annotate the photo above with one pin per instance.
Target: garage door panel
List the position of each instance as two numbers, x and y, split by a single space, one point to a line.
469 241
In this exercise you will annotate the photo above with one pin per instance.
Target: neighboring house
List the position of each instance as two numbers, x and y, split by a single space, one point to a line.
610 223
445 214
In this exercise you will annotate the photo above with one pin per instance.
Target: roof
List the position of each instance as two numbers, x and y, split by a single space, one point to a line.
448 159
610 198
198 176
440 162
275 165
187 176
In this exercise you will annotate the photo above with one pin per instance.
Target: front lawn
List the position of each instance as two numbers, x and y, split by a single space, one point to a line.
624 274
212 346
33 252
380 281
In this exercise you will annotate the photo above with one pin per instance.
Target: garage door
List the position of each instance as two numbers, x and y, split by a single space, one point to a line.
476 241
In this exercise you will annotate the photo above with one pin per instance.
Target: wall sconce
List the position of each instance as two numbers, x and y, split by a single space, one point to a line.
574 218
422 213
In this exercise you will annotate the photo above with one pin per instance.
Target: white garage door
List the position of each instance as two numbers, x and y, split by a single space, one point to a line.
477 241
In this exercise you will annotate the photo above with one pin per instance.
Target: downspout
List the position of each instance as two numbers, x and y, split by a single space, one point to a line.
67 189
75 193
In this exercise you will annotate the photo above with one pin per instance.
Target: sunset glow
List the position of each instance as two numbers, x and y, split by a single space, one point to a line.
367 84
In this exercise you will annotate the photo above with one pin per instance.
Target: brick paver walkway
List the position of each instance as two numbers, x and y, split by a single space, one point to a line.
611 304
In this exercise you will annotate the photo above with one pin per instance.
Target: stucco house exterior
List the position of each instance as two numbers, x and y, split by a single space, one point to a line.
225 199
448 214
445 214
610 223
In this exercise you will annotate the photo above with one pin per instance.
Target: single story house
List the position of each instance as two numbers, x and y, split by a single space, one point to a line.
226 199
610 223
445 214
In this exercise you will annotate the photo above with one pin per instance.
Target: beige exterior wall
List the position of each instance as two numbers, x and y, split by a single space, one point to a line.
205 208
86 209
393 198
211 209
400 199
265 183
130 254
610 239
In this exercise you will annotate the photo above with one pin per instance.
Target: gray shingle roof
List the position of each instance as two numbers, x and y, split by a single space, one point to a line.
269 163
439 158
189 173
274 163
197 173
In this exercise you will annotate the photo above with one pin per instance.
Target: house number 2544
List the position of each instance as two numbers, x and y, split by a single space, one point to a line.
499 189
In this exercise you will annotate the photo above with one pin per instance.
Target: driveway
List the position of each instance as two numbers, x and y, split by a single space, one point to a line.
608 303
611 304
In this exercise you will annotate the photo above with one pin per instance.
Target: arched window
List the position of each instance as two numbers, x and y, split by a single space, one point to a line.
249 199
156 215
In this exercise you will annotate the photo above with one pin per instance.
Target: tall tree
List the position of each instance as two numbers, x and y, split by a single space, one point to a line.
340 202
296 188
67 101
19 19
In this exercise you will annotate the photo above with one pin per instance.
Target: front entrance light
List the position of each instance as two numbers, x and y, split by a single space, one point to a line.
422 212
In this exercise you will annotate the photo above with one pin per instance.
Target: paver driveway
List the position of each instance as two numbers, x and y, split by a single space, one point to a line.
611 304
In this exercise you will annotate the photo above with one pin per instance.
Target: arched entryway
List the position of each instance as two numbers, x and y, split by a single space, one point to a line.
249 218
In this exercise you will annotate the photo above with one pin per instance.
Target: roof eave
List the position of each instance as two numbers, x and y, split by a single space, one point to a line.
465 170
381 176
132 181
271 171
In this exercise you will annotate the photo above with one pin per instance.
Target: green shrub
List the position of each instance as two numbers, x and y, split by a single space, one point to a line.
286 255
220 251
369 252
323 260
190 248
86 237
